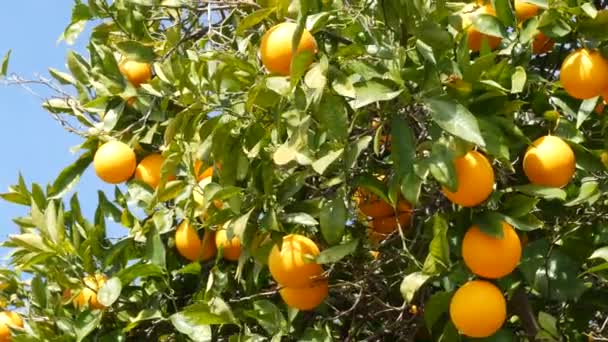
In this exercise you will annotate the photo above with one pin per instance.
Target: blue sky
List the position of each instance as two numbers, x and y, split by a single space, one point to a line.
33 143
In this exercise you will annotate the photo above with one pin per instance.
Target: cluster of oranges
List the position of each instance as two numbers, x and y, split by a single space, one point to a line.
523 11
384 219
300 278
192 247
87 296
478 308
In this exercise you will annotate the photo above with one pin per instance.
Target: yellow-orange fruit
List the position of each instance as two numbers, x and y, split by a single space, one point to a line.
491 257
305 298
525 10
584 74
114 162
475 180
148 170
275 48
190 246
290 266
475 37
8 318
208 172
387 225
88 295
542 44
231 249
478 309
550 162
136 72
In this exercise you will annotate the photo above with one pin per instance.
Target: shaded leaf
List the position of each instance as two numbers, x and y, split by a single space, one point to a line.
337 253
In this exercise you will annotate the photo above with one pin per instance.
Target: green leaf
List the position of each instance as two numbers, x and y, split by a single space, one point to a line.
70 176
586 108
518 80
268 316
78 67
253 19
442 166
155 249
86 322
134 50
490 222
455 119
527 222
320 165
548 323
127 275
337 253
504 12
300 218
333 116
489 25
594 28
354 150
601 253
343 85
32 242
410 187
588 190
333 220
411 283
189 325
4 64
39 292
547 193
519 205
372 184
55 223
435 307
438 259
195 319
371 92
299 64
403 146
62 77
110 291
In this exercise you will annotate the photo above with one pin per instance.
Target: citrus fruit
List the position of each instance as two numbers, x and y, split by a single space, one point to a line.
136 72
584 74
475 37
114 162
370 205
208 172
231 249
542 44
305 298
387 225
475 180
488 256
88 295
290 265
549 161
148 170
275 48
478 309
525 10
187 241
8 318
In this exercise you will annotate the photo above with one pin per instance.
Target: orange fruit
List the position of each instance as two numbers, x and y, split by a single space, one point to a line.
114 162
8 318
187 242
231 249
275 48
88 295
136 72
376 208
550 162
475 180
542 44
525 10
148 170
478 309
475 37
387 225
488 256
290 266
208 172
584 74
305 298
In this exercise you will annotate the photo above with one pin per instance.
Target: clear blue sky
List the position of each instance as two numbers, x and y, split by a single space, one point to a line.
32 142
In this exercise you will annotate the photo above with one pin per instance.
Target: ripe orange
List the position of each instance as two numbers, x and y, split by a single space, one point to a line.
8 318
231 249
475 180
114 162
208 172
187 242
136 72
475 37
275 48
584 74
525 10
305 298
550 162
290 265
148 170
478 309
387 225
372 206
490 257
88 295
542 44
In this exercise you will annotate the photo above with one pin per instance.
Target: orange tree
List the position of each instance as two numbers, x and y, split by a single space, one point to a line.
323 170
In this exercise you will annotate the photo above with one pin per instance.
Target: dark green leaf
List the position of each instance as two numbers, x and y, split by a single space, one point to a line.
489 25
547 193
337 253
435 307
490 222
333 220
4 64
70 176
403 146
455 119
253 19
86 322
371 92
